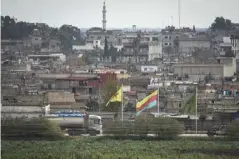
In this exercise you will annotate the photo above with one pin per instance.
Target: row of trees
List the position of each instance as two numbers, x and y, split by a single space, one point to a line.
11 29
220 23
17 30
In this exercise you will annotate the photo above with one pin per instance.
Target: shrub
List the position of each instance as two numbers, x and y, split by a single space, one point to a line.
165 127
142 125
30 128
233 130
118 128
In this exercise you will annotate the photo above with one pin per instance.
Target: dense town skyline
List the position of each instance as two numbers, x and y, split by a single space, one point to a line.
121 13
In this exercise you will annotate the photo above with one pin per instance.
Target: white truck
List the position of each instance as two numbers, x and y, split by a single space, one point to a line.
76 122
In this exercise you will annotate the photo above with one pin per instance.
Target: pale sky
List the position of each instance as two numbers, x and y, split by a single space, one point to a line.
121 13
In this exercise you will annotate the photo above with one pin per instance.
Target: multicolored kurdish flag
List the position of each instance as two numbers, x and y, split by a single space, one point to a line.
148 102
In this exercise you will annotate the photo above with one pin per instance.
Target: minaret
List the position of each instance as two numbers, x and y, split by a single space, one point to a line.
104 17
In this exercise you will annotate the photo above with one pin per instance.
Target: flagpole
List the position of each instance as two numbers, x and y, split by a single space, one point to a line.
158 100
196 110
122 103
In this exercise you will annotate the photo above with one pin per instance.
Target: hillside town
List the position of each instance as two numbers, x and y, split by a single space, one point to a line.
104 80
195 72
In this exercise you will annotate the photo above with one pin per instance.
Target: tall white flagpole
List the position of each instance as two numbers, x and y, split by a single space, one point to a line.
196 110
122 103
158 100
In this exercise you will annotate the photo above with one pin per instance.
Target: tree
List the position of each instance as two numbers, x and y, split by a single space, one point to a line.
92 105
82 60
109 90
165 128
194 29
113 53
11 29
222 24
106 48
54 32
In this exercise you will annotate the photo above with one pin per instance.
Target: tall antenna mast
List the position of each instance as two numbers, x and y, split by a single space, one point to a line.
172 20
179 13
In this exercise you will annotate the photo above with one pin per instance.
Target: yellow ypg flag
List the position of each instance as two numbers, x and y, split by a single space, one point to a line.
117 97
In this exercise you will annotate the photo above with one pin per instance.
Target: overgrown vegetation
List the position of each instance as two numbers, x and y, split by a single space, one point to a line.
98 148
30 129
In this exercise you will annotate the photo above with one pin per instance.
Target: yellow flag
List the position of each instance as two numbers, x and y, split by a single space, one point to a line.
117 97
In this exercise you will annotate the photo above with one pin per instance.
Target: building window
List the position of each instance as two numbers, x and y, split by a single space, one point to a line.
165 37
170 44
169 37
166 44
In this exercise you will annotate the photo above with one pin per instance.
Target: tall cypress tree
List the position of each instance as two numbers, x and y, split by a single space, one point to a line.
106 49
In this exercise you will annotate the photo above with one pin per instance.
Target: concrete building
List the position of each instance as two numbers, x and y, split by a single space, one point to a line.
129 52
145 37
12 45
149 68
188 44
99 34
147 45
55 45
75 83
54 57
226 67
235 43
168 38
36 40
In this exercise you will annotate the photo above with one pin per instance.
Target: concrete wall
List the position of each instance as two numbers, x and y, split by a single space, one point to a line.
23 100
83 47
155 50
188 46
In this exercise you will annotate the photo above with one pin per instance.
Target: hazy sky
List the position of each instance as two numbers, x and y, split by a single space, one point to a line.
121 13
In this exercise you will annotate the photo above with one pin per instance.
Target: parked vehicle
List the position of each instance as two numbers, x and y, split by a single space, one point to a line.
76 122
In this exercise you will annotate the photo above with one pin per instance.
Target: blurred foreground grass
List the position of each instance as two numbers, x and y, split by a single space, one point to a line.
103 148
